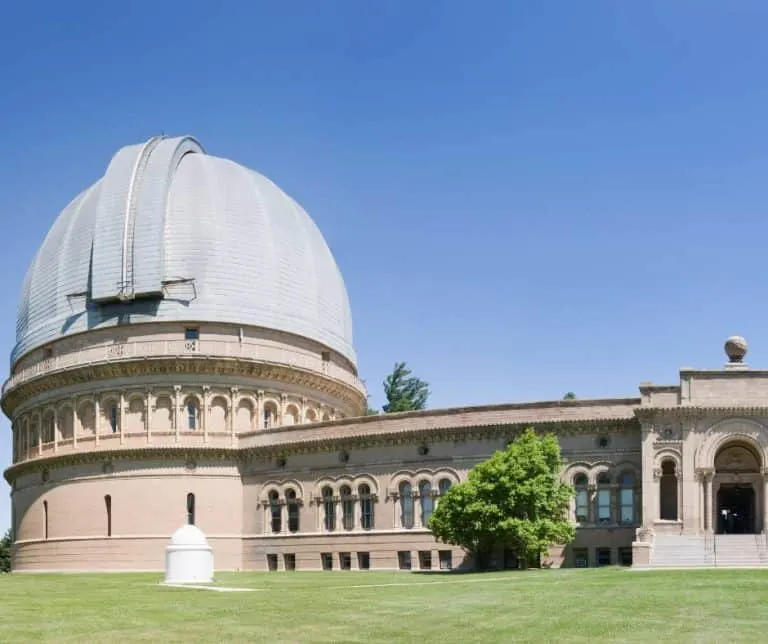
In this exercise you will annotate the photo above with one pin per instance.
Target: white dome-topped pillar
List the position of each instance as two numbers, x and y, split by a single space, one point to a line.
189 557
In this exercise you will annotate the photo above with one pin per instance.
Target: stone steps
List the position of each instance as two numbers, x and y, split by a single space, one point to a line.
726 551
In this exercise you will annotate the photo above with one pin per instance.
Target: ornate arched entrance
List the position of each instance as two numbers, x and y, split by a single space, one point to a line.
736 489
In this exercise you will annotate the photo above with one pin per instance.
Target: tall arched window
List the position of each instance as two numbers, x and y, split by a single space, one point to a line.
366 507
427 502
627 498
191 509
603 498
192 414
406 505
108 507
293 510
45 519
668 491
275 511
582 498
347 508
329 509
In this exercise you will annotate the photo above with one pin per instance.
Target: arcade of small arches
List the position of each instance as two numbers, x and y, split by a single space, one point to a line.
605 495
349 503
171 411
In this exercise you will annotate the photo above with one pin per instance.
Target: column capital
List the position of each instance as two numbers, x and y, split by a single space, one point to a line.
703 473
177 389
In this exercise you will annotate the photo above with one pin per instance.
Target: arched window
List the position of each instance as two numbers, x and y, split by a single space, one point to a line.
45 519
347 508
627 498
329 509
582 498
108 507
275 511
444 486
668 491
113 418
191 509
293 510
366 507
406 505
192 414
427 502
603 498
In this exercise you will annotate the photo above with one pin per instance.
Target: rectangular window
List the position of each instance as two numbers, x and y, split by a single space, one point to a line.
366 513
327 560
446 559
326 355
404 560
364 560
45 519
581 558
191 333
425 560
603 556
582 505
604 506
272 562
625 556
627 501
289 560
345 560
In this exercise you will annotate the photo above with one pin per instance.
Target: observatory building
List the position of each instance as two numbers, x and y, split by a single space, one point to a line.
184 354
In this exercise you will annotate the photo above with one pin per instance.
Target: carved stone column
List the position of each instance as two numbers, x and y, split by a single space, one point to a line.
76 425
656 492
55 429
97 417
176 408
765 499
122 417
149 401
204 412
709 475
233 393
260 409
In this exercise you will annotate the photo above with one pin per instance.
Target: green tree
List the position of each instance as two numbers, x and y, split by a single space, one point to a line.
5 552
514 500
569 396
404 391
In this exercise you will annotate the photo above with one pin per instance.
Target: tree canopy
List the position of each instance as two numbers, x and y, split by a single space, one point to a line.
5 552
515 500
404 391
569 396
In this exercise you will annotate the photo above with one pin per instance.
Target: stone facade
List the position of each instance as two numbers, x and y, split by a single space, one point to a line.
257 438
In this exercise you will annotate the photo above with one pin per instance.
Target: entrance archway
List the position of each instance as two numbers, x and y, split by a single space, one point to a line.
736 488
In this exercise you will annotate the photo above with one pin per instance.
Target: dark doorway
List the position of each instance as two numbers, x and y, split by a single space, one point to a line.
736 509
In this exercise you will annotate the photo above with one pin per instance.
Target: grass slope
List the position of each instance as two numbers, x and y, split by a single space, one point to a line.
607 605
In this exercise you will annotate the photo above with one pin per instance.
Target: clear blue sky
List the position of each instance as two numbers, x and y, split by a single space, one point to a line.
524 198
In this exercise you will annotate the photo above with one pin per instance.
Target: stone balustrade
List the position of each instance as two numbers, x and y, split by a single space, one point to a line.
209 348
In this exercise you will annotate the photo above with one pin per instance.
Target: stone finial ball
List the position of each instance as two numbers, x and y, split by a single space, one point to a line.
736 348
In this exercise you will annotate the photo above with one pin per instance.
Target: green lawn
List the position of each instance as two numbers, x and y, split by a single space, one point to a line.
608 605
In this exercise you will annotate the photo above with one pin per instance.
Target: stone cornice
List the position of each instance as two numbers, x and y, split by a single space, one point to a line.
196 365
692 412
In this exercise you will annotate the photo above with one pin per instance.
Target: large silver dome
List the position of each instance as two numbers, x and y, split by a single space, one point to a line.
170 233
